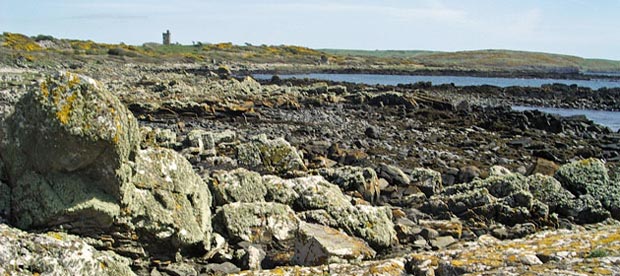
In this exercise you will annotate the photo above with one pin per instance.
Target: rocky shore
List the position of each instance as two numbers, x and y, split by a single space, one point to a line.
139 169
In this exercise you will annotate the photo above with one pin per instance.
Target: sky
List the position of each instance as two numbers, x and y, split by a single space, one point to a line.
576 27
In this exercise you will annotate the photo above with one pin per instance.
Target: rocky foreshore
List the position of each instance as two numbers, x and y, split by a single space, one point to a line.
138 170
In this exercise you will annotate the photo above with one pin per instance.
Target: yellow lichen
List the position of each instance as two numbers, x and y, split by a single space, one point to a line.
601 271
64 113
44 89
55 235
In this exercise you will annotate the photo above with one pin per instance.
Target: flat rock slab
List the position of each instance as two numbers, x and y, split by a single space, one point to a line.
319 245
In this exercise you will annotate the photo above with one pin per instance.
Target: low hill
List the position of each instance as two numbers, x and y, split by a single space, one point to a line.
295 58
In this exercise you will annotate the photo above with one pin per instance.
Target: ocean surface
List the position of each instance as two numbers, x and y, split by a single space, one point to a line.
606 118
372 79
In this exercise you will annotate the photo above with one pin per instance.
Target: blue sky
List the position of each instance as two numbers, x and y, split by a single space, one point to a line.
576 27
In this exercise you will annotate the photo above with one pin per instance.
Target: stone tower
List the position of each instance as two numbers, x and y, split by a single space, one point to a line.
166 36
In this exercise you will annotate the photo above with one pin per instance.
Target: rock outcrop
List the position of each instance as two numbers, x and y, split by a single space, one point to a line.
72 159
67 149
55 253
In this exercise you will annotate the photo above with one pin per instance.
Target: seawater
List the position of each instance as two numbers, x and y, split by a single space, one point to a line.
372 79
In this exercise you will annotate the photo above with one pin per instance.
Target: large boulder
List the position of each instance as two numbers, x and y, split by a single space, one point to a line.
54 253
167 204
319 245
66 150
505 198
239 185
269 156
590 177
259 222
72 159
373 224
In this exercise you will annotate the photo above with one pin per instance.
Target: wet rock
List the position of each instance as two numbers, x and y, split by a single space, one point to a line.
67 149
393 174
427 180
319 245
259 222
350 178
55 253
590 176
239 185
166 203
269 156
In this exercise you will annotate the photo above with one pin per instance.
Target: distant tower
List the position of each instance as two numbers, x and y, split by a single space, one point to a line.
166 36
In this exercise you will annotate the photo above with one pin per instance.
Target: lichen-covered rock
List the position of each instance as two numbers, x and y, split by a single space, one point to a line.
201 142
350 178
318 245
158 137
590 176
239 185
54 253
66 150
259 222
373 224
498 171
427 180
279 190
269 156
549 191
387 267
167 204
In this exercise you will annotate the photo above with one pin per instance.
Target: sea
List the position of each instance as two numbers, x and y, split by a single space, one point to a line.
607 118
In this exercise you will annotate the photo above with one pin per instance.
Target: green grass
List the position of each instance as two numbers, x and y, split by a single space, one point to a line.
598 253
377 53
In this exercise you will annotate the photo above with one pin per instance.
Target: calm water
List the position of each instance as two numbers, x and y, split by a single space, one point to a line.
606 118
436 80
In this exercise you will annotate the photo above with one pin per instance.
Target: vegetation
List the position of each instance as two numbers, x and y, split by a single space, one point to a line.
598 253
293 57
